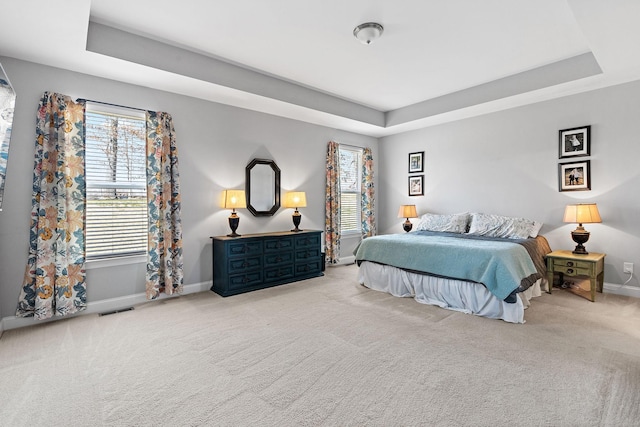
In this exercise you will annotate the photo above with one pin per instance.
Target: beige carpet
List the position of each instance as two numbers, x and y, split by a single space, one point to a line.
326 352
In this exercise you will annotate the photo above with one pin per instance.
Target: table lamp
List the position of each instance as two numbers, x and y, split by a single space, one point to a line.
407 211
295 199
582 213
234 199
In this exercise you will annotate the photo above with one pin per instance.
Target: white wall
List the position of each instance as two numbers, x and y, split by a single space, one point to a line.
507 163
215 143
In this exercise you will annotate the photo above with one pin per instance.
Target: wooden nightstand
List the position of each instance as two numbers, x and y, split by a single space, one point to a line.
570 264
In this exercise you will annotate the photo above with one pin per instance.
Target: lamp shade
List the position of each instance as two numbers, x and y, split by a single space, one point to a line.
582 213
295 199
234 199
407 211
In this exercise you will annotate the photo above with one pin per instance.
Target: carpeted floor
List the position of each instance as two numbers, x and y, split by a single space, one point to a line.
326 352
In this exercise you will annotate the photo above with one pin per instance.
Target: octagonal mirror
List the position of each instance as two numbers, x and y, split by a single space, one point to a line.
262 186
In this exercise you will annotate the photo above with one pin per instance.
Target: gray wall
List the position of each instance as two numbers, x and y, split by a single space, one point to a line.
507 163
504 163
215 143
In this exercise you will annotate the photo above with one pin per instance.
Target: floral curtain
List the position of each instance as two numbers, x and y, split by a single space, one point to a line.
164 261
367 200
54 282
332 205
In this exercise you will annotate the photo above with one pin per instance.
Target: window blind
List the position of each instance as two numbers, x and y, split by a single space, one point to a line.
350 179
115 170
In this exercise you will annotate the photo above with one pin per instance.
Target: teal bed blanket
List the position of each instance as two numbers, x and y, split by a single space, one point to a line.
503 266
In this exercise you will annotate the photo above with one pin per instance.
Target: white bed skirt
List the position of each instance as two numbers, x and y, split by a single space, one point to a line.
458 295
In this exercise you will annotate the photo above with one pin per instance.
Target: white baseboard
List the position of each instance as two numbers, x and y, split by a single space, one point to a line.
111 304
102 306
347 260
631 291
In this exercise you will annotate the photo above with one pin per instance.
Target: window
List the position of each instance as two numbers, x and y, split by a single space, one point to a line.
350 178
115 172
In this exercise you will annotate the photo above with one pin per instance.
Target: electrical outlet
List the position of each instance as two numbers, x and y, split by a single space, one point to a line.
627 267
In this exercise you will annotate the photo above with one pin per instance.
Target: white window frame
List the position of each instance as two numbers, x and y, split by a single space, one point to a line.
113 259
356 191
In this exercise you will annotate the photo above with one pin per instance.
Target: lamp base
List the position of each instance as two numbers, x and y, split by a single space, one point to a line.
297 217
580 236
234 220
407 226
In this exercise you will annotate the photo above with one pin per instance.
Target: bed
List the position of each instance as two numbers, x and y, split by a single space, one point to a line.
479 264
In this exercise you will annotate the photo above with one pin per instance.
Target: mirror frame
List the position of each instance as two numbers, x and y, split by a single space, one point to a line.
276 184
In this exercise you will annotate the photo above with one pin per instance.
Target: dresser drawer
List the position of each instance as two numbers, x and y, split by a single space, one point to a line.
304 254
314 266
278 258
279 273
241 281
310 240
239 265
244 248
278 244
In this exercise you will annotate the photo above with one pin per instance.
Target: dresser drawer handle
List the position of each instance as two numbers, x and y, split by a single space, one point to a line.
278 259
245 279
569 263
245 264
569 270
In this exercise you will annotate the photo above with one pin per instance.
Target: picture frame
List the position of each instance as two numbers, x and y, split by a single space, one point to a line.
416 185
574 176
574 142
416 162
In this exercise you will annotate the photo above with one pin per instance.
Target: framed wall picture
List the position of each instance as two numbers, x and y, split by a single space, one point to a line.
416 162
575 176
416 185
575 142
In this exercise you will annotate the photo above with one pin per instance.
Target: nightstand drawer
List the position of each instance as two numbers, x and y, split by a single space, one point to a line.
572 271
571 263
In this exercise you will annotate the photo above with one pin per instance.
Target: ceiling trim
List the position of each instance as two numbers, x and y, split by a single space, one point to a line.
115 43
567 70
217 79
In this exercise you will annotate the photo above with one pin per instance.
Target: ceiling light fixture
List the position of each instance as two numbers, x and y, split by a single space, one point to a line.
368 32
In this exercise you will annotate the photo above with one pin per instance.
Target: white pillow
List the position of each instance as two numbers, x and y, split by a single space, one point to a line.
535 229
502 226
454 223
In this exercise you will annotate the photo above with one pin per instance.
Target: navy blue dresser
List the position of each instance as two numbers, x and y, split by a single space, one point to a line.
257 261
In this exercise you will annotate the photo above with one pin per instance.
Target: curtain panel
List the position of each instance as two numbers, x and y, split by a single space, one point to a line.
332 205
55 277
368 195
164 260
